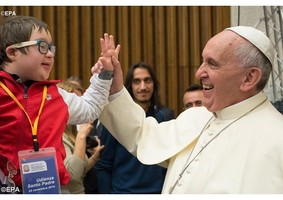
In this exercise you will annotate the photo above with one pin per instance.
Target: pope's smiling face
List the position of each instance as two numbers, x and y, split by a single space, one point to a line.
220 72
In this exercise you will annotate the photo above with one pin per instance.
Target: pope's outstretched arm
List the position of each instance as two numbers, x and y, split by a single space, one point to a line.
143 136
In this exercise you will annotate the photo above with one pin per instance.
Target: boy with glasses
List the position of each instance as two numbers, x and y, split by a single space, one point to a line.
34 111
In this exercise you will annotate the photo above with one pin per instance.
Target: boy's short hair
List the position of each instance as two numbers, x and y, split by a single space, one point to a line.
16 29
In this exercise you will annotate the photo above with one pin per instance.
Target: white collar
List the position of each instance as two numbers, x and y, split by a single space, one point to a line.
239 109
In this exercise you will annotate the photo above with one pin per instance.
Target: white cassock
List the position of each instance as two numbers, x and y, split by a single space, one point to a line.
236 150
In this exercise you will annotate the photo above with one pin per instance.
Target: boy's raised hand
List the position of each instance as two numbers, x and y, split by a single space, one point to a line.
107 45
109 61
107 51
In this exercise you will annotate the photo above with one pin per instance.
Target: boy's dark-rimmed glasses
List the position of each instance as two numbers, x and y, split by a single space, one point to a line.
43 46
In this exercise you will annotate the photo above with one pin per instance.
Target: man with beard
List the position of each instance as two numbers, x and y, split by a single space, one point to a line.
118 171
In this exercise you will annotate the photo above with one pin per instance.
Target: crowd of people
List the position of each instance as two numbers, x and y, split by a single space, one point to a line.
117 138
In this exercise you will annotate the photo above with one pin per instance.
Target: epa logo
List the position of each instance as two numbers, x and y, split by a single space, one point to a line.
8 13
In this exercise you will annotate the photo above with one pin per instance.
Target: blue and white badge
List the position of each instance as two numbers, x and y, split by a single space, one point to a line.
39 171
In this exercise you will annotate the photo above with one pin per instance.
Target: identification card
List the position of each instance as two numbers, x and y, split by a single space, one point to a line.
39 171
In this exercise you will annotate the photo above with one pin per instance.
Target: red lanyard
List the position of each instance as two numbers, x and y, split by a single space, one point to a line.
35 124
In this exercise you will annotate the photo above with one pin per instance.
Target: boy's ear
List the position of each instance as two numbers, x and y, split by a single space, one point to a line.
11 53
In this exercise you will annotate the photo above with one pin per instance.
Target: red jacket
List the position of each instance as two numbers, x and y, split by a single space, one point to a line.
15 130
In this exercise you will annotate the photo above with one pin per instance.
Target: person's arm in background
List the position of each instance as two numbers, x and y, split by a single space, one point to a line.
95 154
76 162
80 144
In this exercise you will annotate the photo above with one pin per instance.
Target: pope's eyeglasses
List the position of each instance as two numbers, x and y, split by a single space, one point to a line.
43 46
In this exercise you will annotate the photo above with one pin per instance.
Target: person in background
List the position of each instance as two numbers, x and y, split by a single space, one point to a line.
278 105
34 111
90 179
77 83
118 171
232 144
77 162
193 96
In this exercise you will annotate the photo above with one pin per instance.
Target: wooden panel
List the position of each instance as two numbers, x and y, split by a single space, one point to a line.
122 37
147 32
61 65
87 59
206 25
97 30
183 52
25 10
170 38
194 46
73 42
135 34
160 50
37 12
110 19
221 18
49 18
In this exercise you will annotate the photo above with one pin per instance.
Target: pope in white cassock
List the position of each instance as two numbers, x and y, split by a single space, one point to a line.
232 145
